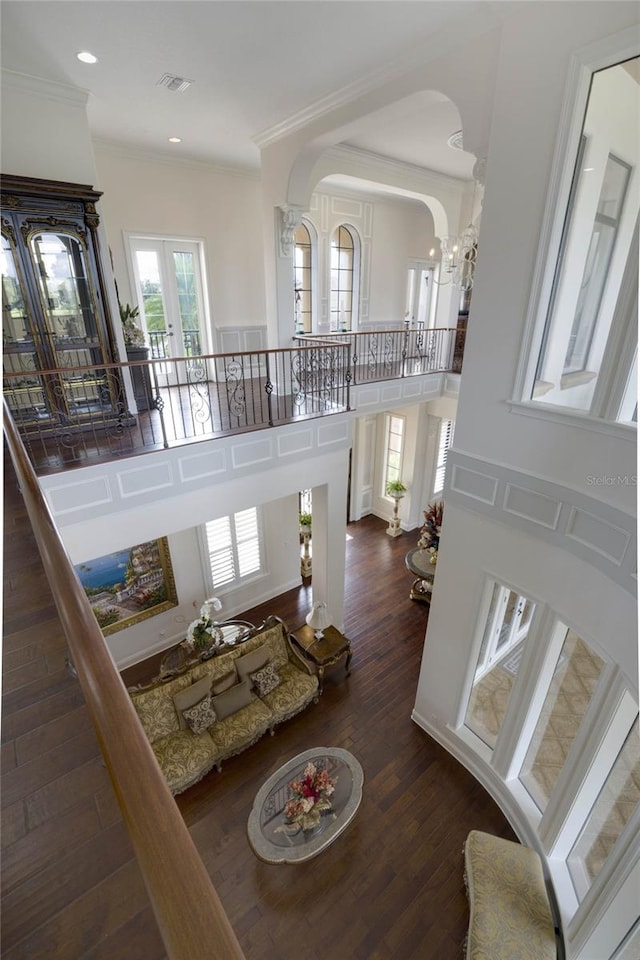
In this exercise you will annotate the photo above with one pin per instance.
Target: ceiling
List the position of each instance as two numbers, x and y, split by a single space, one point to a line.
253 64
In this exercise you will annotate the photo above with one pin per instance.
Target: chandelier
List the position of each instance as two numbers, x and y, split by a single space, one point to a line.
458 259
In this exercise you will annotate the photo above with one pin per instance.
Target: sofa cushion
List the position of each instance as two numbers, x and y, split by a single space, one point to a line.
185 757
201 715
294 692
266 679
189 696
225 681
232 700
274 639
155 708
239 730
251 662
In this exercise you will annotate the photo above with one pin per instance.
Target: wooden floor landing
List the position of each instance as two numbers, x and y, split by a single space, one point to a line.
390 888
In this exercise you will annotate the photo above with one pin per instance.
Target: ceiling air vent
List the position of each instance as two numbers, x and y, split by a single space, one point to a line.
173 83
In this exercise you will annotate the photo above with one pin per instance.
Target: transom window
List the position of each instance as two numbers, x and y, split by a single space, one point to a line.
234 548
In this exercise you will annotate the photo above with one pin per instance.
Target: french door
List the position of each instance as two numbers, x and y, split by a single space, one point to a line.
169 292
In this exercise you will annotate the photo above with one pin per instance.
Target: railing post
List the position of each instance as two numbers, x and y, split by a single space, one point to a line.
158 404
268 387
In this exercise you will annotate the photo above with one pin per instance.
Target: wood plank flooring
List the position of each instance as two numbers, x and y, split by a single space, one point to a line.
390 887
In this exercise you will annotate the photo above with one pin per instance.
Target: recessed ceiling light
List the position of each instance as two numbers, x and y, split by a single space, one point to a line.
588 169
87 57
175 139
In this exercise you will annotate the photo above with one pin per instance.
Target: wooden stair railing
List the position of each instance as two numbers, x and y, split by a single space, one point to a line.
189 913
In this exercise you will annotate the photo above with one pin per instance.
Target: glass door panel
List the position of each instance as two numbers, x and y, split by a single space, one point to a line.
70 322
25 393
170 294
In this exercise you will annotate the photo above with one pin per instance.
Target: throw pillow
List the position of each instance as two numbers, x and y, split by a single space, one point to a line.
220 684
251 662
266 679
232 700
186 698
201 715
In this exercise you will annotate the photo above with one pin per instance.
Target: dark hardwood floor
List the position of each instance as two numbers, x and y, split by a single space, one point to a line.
390 887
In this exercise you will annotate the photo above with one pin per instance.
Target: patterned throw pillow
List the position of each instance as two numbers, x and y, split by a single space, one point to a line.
266 679
201 715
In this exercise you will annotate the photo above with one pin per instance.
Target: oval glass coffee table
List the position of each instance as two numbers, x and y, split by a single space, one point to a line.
270 837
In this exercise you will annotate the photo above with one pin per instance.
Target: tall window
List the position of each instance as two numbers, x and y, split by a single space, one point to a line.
234 548
505 632
603 237
342 279
445 440
419 285
393 450
302 279
616 803
589 337
575 677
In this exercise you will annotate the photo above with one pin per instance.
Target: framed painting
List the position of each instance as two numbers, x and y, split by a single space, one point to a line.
129 585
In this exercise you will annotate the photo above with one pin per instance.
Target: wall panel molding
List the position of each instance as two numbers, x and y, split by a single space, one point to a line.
590 529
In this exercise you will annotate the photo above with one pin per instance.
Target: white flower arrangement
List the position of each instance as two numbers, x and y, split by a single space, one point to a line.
205 632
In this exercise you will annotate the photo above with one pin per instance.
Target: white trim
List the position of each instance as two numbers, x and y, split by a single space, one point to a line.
47 89
574 418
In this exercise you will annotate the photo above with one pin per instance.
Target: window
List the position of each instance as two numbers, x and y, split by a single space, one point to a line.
445 440
342 280
234 548
302 280
573 683
589 340
393 450
505 632
611 812
419 284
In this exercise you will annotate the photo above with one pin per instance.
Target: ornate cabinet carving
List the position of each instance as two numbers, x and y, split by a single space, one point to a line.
54 309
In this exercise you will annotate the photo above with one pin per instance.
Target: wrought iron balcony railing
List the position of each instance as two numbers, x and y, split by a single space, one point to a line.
73 416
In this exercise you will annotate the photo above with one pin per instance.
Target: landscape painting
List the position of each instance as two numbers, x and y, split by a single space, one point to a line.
129 585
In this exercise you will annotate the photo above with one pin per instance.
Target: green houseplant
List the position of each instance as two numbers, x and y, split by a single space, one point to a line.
395 488
304 519
133 335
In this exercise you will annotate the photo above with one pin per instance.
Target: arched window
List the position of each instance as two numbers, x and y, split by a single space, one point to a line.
343 279
302 280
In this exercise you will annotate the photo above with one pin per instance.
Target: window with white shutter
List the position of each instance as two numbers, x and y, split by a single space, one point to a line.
234 548
444 442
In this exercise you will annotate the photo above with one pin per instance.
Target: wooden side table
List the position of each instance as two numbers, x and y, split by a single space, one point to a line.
325 652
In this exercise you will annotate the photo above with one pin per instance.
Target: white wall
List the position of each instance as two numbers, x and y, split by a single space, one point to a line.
282 572
45 131
147 195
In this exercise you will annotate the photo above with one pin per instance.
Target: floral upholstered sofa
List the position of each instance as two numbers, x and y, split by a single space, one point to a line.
221 706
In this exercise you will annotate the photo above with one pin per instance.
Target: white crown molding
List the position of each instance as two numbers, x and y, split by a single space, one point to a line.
125 151
430 178
45 89
481 19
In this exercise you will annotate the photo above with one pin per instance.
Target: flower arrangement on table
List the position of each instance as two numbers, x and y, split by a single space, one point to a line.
205 632
430 531
310 798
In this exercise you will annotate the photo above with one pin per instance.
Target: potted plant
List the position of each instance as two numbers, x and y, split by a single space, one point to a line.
133 335
304 519
396 489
